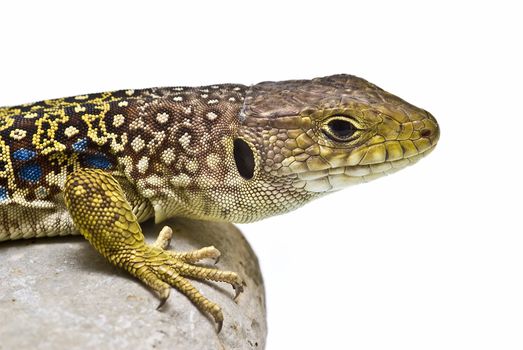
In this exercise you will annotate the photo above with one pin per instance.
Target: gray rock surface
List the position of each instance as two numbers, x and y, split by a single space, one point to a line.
58 293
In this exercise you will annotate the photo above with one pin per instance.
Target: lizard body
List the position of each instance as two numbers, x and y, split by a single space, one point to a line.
221 152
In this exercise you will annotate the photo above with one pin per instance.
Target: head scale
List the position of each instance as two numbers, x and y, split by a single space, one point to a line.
327 133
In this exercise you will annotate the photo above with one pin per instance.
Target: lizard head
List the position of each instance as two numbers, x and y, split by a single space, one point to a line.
324 134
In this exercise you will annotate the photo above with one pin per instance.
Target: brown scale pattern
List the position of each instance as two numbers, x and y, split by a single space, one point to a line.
143 137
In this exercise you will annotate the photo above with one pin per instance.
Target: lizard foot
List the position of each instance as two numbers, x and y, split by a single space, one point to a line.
166 268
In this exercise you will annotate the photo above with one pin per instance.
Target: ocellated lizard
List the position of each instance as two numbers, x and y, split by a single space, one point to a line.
100 164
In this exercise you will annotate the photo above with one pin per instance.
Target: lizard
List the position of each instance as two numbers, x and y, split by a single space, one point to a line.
100 164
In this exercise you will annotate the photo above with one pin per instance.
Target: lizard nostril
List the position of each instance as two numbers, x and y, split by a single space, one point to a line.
426 133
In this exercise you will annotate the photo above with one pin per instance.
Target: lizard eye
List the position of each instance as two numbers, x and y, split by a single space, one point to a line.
244 159
340 129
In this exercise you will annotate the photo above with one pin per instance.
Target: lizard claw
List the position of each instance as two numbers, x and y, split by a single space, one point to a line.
164 295
238 289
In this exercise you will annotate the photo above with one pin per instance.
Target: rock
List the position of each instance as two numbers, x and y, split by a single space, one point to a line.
59 293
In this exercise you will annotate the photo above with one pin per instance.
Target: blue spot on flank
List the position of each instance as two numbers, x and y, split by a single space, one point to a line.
98 161
24 154
3 194
80 145
30 172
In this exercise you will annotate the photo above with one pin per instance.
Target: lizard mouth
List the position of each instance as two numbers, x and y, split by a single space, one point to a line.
336 178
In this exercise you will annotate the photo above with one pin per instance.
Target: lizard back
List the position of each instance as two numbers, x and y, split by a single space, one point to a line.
133 134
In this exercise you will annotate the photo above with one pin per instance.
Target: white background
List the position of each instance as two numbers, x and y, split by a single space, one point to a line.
429 258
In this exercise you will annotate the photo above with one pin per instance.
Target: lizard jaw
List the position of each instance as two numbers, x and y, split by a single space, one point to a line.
336 178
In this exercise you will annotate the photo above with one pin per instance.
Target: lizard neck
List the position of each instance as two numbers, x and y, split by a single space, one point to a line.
184 152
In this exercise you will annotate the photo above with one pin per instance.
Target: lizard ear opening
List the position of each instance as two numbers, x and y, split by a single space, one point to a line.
244 158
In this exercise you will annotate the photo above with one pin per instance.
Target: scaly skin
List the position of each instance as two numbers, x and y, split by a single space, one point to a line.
101 212
99 164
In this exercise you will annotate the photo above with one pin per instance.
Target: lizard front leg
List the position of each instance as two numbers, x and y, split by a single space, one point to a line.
102 214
